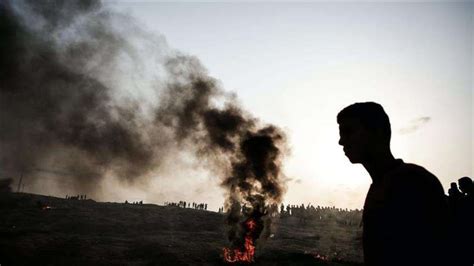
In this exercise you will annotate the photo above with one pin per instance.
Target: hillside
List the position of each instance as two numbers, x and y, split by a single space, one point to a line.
85 232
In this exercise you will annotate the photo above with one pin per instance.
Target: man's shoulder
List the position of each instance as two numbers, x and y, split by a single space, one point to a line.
415 176
411 170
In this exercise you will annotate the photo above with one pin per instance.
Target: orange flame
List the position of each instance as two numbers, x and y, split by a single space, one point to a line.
237 255
248 252
321 257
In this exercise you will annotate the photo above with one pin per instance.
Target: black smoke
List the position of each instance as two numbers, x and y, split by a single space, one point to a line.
52 105
247 155
58 109
255 184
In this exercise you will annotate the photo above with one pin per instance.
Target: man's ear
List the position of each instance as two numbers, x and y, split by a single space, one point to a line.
380 136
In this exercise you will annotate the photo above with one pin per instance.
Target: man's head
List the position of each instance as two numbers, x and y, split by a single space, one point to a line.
453 191
363 129
465 184
454 185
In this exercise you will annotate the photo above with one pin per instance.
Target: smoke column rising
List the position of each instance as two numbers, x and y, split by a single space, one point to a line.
55 109
61 69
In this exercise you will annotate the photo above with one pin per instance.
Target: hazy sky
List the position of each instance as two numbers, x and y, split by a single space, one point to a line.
298 64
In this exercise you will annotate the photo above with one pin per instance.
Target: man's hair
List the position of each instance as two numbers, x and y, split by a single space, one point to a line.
371 115
465 181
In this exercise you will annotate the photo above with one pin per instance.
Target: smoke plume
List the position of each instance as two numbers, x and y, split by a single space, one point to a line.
55 110
64 78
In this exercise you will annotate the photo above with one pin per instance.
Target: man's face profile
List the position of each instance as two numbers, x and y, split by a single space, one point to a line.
354 137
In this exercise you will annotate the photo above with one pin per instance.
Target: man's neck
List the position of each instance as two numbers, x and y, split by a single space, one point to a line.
379 164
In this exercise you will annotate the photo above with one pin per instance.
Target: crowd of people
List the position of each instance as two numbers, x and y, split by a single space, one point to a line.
460 199
134 202
305 213
189 205
345 216
77 197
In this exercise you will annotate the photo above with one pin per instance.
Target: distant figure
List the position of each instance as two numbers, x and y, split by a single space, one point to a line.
454 197
454 192
466 186
405 211
465 222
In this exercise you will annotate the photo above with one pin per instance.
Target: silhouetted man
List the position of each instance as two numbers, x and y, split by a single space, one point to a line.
464 224
405 211
454 198
453 191
466 186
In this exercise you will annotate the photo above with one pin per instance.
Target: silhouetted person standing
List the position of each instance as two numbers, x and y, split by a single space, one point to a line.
405 211
454 192
454 198
466 186
465 222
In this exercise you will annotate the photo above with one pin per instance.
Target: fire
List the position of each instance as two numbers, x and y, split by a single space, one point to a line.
238 255
46 207
321 257
247 253
251 225
318 256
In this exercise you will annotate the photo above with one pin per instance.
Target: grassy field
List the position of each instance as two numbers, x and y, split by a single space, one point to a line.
86 232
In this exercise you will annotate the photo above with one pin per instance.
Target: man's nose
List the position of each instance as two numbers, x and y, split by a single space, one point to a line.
341 142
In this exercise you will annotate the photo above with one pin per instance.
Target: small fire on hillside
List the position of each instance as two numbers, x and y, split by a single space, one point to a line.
321 257
247 252
255 186
45 207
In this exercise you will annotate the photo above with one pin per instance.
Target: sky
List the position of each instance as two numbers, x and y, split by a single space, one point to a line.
296 65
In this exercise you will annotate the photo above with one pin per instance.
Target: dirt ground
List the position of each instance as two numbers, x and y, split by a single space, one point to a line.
85 232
